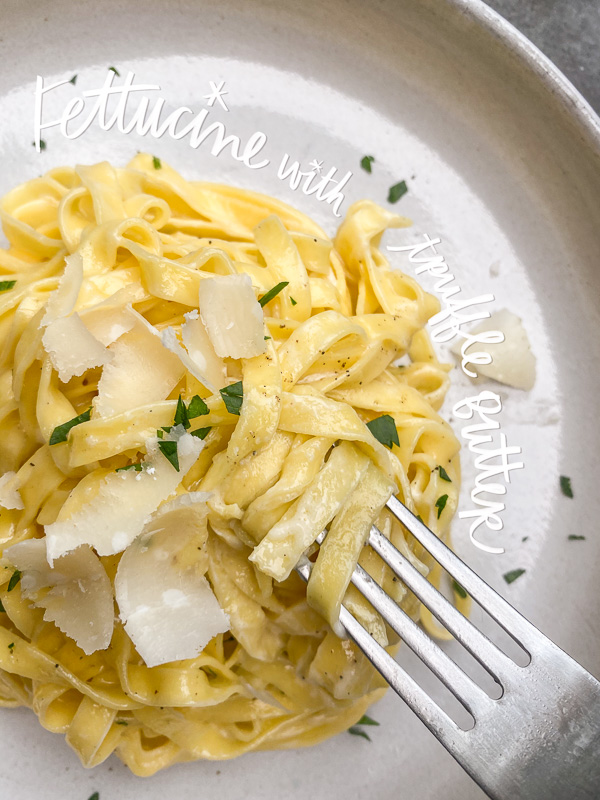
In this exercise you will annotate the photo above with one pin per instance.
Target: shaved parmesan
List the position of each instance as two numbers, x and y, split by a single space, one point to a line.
72 348
141 371
10 496
232 316
62 300
107 324
167 606
511 361
108 510
201 349
171 342
76 594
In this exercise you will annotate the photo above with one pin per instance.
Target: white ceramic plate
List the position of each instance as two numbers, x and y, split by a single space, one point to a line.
502 160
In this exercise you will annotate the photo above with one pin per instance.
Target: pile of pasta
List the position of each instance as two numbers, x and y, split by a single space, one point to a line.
192 378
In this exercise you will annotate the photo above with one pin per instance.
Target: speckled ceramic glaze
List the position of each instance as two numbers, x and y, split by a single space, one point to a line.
502 160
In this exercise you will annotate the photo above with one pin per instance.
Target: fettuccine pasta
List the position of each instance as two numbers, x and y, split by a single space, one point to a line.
195 382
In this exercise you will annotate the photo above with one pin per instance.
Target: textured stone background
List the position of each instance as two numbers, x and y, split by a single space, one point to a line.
567 31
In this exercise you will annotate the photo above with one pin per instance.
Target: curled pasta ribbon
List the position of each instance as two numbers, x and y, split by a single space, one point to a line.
119 255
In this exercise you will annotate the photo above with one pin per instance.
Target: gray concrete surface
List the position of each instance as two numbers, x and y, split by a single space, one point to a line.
567 31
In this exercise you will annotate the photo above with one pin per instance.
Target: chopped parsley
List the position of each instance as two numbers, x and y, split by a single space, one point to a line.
6 285
511 576
2 609
266 298
524 539
267 337
397 191
73 80
443 474
181 414
196 407
233 396
95 796
59 434
293 302
364 720
366 162
458 589
169 450
201 433
14 579
121 722
136 467
355 731
573 538
118 74
156 162
565 486
11 645
42 144
440 504
384 430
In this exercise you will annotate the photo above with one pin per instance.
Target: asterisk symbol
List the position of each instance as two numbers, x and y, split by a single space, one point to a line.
316 165
216 94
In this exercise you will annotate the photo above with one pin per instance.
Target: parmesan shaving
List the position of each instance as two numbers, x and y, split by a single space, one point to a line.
511 361
10 497
141 371
109 509
76 594
168 608
72 348
201 350
63 298
232 316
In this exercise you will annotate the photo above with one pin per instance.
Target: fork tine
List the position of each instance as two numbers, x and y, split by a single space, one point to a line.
491 658
458 682
438 722
505 615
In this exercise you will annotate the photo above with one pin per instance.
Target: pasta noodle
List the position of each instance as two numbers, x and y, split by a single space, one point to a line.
164 450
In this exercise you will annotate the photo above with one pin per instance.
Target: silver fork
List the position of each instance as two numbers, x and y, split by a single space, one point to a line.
541 739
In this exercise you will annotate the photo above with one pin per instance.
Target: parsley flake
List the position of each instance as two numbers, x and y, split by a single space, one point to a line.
136 467
524 539
73 80
384 430
6 285
156 162
293 302
2 609
95 796
11 645
266 298
267 337
355 731
366 162
443 474
565 486
181 414
118 74
197 407
59 434
201 433
440 504
169 450
458 589
397 191
365 720
121 722
14 579
511 576
42 144
233 396
573 538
